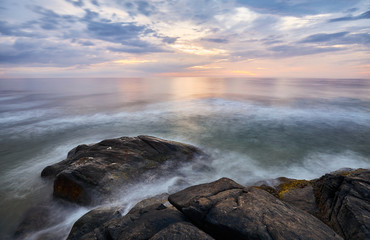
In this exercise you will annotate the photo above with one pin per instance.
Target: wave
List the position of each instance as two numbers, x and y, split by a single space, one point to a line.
44 120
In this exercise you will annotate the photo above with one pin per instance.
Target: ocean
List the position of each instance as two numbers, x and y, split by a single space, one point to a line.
253 129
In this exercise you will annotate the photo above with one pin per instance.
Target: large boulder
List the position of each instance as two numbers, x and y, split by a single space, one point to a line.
344 202
150 222
226 210
91 173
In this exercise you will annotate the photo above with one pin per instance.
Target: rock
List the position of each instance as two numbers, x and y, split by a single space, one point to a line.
181 231
226 210
298 193
92 220
91 173
158 199
344 202
139 224
144 221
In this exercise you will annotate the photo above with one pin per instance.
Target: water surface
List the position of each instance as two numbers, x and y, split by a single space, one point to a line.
254 129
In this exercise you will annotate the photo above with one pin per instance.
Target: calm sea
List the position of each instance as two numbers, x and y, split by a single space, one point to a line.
254 129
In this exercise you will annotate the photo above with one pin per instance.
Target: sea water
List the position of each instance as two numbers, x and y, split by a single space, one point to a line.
253 129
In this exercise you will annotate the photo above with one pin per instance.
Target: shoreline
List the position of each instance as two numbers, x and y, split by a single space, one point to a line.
301 194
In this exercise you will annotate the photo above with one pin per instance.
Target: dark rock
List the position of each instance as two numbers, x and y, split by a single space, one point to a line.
298 193
207 189
92 220
141 223
226 210
92 172
158 200
144 221
181 231
302 198
344 202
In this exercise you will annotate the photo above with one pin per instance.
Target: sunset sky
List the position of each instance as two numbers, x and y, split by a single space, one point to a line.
208 38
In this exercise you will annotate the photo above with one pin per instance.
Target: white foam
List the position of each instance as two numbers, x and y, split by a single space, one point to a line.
246 170
181 111
61 229
317 164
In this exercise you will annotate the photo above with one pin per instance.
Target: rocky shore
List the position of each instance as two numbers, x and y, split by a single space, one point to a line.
334 206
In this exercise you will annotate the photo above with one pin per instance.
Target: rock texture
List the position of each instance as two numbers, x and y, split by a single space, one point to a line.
92 220
344 202
150 222
227 210
91 173
181 231
298 193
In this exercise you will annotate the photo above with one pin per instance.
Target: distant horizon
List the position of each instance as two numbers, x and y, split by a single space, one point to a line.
146 39
165 77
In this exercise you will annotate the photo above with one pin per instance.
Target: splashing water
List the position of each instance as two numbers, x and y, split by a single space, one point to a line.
253 129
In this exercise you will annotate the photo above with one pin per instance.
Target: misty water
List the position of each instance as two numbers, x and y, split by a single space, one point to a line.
253 129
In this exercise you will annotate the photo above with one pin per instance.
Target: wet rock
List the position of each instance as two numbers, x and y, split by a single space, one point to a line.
226 210
156 200
141 223
298 193
91 173
344 202
181 231
144 223
92 220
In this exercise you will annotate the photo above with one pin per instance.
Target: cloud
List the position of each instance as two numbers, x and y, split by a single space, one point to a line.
87 43
119 32
50 20
365 15
127 34
169 40
298 7
138 50
13 30
216 40
95 2
90 15
30 52
292 51
357 38
323 37
66 32
76 3
138 7
338 38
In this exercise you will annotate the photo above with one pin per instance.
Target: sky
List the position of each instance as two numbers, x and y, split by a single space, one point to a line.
185 38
